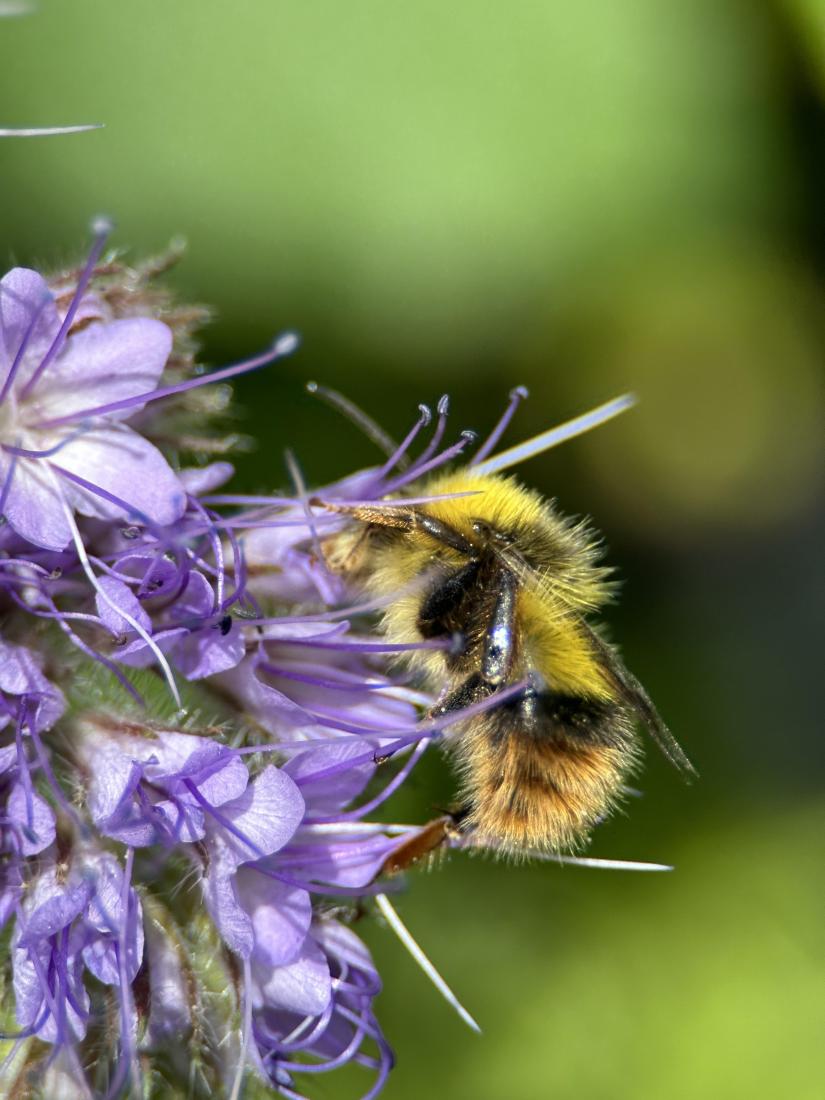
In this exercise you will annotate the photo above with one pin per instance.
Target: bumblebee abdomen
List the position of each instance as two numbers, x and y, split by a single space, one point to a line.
541 772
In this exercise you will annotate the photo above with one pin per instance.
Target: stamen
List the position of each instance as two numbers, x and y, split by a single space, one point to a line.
356 416
328 589
399 456
354 684
283 346
405 936
101 228
382 796
372 647
569 430
516 397
445 456
443 409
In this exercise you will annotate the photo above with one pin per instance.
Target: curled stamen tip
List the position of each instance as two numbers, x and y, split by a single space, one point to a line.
426 414
286 343
102 225
443 406
469 436
311 387
520 392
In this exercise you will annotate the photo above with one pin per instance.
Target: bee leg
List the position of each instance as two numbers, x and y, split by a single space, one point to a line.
424 842
500 637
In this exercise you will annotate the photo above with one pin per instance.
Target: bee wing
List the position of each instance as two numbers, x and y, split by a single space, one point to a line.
635 696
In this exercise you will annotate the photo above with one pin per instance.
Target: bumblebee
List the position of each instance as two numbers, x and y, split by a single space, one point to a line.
489 563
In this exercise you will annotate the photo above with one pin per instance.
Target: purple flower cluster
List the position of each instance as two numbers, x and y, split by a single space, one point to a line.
194 726
189 725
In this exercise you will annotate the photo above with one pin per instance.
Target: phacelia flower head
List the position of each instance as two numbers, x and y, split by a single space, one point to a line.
198 719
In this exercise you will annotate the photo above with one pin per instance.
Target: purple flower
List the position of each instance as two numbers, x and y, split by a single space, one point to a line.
191 628
90 462
85 919
318 1015
159 787
27 698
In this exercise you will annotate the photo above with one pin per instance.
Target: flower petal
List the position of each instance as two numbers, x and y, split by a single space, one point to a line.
303 986
33 505
114 595
34 818
104 363
280 914
266 815
22 293
123 463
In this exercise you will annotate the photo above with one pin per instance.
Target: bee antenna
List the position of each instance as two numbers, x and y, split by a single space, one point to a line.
355 415
551 438
516 397
392 918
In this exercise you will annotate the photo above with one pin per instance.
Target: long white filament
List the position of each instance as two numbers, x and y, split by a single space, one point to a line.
392 918
560 434
604 864
48 131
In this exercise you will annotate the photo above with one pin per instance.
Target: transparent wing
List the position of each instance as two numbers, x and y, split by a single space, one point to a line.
634 695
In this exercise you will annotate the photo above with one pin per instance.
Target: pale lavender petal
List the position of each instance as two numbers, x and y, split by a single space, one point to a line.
280 914
230 917
219 773
34 818
266 815
104 363
118 595
105 911
20 674
56 912
114 458
342 943
101 958
303 986
33 505
208 651
274 710
197 598
348 862
337 789
22 293
114 777
205 479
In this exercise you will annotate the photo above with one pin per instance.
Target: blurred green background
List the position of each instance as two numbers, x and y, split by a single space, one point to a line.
586 198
